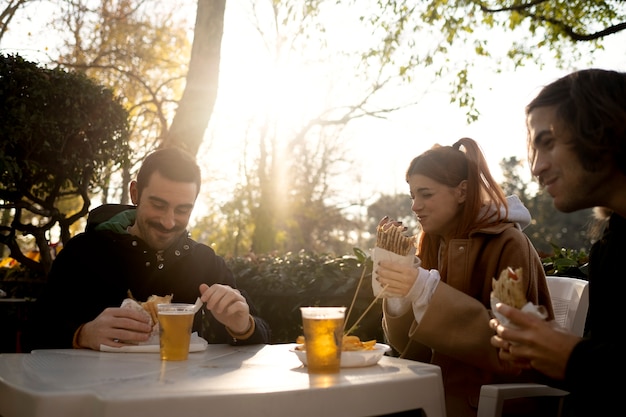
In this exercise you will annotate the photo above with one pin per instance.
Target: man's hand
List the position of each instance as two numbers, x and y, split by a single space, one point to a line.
228 306
532 342
115 327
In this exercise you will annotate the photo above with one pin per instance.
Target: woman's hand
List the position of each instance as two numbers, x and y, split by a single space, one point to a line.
386 223
398 278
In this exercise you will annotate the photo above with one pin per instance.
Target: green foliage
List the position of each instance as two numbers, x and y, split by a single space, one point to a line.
280 284
21 282
59 132
566 262
551 227
568 31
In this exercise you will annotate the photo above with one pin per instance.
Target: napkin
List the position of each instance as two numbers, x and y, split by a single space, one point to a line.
152 344
154 335
536 310
380 254
196 344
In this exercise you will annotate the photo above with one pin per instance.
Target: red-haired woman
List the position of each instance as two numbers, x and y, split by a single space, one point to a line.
438 309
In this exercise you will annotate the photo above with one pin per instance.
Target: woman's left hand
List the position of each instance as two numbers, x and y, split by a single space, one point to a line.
398 278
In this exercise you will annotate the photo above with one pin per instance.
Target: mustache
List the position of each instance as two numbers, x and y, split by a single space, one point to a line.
162 229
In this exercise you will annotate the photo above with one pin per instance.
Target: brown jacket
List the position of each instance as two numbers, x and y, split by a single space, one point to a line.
454 332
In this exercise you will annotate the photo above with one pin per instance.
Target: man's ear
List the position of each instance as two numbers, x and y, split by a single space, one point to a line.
134 192
461 192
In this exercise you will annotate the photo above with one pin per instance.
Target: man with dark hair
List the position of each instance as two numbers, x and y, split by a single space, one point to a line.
577 143
142 250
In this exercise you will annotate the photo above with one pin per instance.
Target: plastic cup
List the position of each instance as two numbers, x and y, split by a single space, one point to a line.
323 334
175 323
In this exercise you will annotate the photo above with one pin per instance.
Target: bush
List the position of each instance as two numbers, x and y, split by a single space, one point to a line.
21 282
61 134
566 262
21 286
280 284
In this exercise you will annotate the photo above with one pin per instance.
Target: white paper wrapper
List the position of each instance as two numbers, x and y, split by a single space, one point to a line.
154 336
196 344
538 311
379 254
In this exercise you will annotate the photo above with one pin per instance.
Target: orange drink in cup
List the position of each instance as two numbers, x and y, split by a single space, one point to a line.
175 323
323 334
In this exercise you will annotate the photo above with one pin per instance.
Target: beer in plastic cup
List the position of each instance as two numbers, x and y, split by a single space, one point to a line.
175 323
323 334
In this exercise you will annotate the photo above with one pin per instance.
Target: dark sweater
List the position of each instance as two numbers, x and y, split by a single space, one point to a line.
595 370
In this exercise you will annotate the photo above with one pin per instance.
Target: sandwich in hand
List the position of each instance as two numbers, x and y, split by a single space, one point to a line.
150 305
391 237
509 288
391 245
149 308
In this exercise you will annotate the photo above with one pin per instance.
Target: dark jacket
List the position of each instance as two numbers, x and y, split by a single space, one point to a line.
97 269
595 370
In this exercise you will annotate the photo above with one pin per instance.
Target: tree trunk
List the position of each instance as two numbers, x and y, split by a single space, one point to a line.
196 105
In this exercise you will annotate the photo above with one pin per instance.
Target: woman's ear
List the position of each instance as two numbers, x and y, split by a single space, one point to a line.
134 192
461 192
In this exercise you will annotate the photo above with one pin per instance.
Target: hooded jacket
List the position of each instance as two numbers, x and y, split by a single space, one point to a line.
454 330
99 268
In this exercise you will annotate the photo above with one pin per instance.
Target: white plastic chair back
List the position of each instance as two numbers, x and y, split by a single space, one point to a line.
570 301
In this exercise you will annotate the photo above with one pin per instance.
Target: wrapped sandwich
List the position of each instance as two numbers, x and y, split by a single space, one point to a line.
391 245
149 308
510 289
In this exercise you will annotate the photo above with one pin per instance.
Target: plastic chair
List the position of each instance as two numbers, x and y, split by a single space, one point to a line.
570 301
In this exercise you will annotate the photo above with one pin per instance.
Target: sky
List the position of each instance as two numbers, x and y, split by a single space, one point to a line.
381 148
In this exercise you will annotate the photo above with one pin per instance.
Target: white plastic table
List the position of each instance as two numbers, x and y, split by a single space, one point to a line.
223 381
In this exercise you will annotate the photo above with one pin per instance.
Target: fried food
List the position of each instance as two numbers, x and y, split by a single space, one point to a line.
353 343
349 344
508 288
391 237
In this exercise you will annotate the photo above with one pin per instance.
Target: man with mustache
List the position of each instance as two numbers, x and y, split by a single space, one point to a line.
141 250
